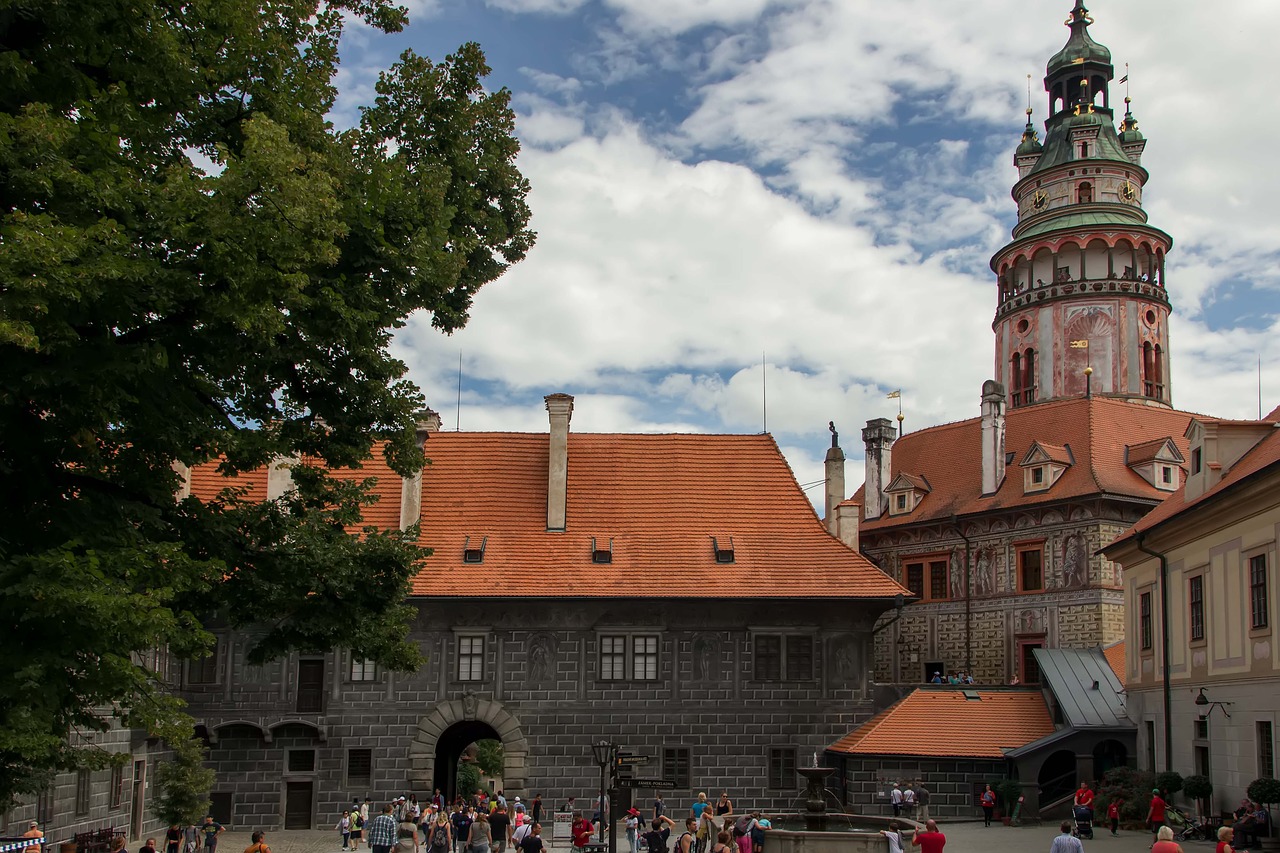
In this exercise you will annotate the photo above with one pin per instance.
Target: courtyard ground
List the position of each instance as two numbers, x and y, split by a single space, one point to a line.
960 837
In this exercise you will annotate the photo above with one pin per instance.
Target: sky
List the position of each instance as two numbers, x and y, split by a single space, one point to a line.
767 214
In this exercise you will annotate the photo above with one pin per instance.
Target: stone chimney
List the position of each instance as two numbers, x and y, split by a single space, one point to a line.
559 410
993 453
878 437
280 477
428 421
835 480
848 514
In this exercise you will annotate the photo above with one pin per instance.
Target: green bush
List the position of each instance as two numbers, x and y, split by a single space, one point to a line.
1169 781
1008 791
1265 790
1131 787
1197 787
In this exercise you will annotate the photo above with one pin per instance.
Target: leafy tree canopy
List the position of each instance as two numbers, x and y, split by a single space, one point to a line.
155 312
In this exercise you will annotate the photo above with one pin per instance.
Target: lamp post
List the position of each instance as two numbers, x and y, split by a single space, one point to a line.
603 751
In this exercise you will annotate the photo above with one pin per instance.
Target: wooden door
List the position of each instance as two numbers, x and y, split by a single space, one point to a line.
297 805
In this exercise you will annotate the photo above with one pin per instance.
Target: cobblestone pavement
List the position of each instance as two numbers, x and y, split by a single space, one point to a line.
960 837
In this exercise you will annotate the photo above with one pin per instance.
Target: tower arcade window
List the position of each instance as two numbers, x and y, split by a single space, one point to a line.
1022 372
1152 371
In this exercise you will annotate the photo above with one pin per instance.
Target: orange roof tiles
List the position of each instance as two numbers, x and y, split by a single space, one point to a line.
1096 430
943 722
659 499
207 482
1114 654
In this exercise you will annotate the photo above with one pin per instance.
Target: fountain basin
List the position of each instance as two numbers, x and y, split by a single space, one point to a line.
842 833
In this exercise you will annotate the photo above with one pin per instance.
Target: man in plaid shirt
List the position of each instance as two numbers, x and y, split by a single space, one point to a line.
381 831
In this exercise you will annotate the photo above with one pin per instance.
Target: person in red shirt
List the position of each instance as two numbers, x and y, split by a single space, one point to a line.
581 830
1155 814
1084 800
1113 815
988 805
1225 836
929 841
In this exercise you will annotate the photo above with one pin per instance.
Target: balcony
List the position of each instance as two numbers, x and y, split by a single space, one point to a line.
1019 297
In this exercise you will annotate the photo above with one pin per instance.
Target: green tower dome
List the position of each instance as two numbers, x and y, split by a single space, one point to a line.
1080 48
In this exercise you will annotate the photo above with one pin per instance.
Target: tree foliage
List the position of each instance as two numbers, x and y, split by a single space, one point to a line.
155 312
468 780
489 757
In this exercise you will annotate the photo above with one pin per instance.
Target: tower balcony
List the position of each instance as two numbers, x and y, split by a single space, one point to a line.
1021 296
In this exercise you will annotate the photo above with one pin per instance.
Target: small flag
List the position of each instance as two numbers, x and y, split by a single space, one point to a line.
1124 79
894 395
1080 344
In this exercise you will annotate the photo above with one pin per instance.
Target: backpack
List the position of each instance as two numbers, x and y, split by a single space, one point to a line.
440 837
655 842
740 826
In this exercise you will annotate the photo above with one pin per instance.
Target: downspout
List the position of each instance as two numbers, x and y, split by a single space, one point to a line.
1164 647
968 599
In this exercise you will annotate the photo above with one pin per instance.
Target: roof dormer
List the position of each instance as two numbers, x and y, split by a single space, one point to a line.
905 493
1159 462
1043 465
1216 445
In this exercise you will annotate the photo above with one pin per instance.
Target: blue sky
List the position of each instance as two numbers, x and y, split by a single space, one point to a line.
821 185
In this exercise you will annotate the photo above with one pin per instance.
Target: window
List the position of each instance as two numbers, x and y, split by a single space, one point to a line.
675 765
613 658
938 579
915 579
1197 460
1084 194
1031 569
309 691
359 766
1266 750
1030 668
204 670
1149 728
1195 595
1037 475
117 785
1201 728
363 670
82 792
783 657
902 501
471 658
1258 600
1144 620
301 761
782 768
644 658
1023 374
1166 475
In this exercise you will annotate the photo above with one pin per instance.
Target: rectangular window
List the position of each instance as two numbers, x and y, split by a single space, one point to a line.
782 768
82 793
1149 726
938 580
1144 620
1200 729
359 766
204 670
613 658
783 657
1197 460
1030 668
301 761
117 785
768 657
1037 475
1266 750
644 658
1259 602
1166 474
675 766
471 658
915 579
799 657
309 693
1031 570
1195 595
363 670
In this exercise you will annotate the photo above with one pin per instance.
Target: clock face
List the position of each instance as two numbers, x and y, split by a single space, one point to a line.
1128 191
1040 199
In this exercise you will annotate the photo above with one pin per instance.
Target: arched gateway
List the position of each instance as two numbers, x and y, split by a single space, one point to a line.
444 733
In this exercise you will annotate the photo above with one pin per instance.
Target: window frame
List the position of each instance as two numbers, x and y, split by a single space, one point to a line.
613 660
926 564
677 764
633 655
780 768
468 654
1022 549
84 792
359 672
1265 753
1146 632
789 656
1195 608
117 785
646 662
1259 593
917 589
352 779
206 671
301 751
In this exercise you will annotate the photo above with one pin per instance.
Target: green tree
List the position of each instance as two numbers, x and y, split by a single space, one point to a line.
468 780
154 313
489 757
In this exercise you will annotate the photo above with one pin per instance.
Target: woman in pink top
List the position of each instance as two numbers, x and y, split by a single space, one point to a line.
1165 843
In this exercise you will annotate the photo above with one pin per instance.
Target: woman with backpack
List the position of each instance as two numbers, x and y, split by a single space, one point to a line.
742 832
439 835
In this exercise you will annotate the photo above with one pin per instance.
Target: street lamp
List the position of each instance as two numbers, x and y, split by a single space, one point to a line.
603 751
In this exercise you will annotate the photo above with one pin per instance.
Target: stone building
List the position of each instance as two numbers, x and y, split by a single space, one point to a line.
1202 662
674 594
994 523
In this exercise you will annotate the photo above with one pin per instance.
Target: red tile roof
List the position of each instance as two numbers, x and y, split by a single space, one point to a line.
945 722
1147 451
1114 654
1262 455
656 499
1096 430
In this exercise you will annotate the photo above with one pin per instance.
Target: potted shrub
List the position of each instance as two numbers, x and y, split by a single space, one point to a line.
1266 791
1170 782
1007 793
1199 788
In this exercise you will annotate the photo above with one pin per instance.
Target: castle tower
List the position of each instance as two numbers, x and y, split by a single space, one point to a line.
1083 306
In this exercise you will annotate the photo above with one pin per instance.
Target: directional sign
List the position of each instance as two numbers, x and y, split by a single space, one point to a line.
634 759
646 783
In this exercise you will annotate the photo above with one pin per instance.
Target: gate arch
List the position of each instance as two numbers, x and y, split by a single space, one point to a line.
467 713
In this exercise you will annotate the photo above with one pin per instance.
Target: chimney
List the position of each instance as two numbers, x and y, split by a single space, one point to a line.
847 518
835 480
992 436
428 421
878 438
559 410
280 477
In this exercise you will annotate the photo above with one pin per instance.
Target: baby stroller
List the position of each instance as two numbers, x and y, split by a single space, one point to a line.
1084 822
1186 828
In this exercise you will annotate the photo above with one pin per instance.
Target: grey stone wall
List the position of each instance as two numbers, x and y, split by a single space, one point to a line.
542 675
952 783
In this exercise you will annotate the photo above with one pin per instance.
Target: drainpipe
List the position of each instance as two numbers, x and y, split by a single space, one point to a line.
968 599
1164 647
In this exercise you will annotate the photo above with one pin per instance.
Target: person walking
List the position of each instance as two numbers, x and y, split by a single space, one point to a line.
344 828
173 839
532 843
500 828
210 831
632 825
1155 814
922 801
988 802
480 837
407 834
258 843
382 831
659 807
439 836
1113 815
1065 842
931 840
461 826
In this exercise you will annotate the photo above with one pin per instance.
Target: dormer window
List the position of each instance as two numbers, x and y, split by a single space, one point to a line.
902 503
472 553
1197 460
906 492
724 552
1043 465
1159 462
601 552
